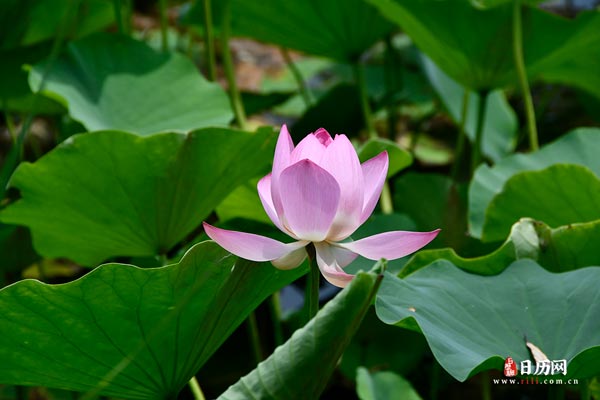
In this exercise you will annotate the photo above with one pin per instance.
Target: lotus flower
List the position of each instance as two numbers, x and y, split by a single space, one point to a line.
319 192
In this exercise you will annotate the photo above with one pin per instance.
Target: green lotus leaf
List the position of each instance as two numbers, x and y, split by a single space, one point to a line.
115 82
127 332
558 195
559 249
473 322
500 126
300 368
473 45
110 193
580 146
339 29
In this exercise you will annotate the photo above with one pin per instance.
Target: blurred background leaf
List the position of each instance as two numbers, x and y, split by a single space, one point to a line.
115 82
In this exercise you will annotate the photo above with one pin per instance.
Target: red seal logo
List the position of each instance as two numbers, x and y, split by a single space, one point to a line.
510 368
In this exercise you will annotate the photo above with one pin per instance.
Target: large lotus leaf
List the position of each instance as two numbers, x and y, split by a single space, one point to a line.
576 60
580 146
474 322
115 82
500 126
26 22
128 332
112 193
579 70
340 29
471 44
559 249
300 368
558 195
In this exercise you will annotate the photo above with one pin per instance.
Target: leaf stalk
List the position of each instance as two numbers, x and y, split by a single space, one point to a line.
522 74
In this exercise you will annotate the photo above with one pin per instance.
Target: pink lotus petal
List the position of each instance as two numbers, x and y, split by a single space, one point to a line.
341 161
264 193
281 161
310 198
342 255
330 267
309 148
390 245
250 246
374 172
323 136
290 260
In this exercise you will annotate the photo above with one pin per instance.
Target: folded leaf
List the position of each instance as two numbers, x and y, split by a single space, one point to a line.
301 367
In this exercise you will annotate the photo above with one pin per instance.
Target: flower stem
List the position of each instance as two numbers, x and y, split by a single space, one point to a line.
476 156
209 41
312 286
252 326
234 93
462 134
164 24
522 74
302 86
195 388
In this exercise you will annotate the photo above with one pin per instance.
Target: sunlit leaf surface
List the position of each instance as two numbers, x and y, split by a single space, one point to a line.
128 332
474 322
112 193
